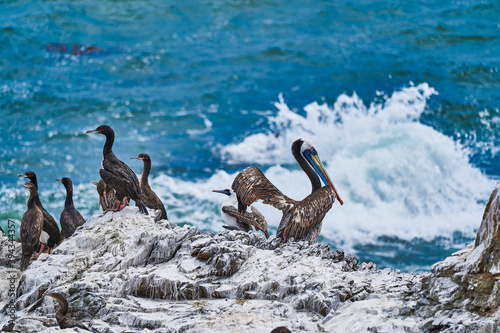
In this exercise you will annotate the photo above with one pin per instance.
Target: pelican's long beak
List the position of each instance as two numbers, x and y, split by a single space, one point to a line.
313 158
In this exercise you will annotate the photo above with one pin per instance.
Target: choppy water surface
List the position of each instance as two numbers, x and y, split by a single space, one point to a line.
400 99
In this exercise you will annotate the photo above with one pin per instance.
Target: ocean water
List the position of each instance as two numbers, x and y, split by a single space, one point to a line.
401 100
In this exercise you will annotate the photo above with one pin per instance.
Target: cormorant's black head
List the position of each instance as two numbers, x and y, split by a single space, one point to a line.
100 187
226 191
60 298
142 157
30 175
103 129
30 186
65 181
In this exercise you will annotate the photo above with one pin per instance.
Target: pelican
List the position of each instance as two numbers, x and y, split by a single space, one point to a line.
241 220
301 220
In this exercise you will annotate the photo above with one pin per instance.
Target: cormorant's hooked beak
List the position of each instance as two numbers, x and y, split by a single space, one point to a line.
95 183
23 175
59 180
136 158
93 131
312 157
25 185
226 191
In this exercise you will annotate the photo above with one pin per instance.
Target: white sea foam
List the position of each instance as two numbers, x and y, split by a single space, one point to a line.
396 176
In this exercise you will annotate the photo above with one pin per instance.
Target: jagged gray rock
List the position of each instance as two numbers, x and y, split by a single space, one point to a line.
127 272
467 284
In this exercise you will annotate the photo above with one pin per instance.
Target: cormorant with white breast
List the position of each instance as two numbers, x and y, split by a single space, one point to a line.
149 197
241 220
63 319
301 220
31 227
70 217
50 236
117 174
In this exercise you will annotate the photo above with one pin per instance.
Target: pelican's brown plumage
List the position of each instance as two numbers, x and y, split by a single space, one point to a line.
70 217
149 197
31 227
117 174
50 227
301 220
63 319
107 196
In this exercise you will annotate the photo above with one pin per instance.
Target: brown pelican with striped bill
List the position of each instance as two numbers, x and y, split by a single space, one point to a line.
301 220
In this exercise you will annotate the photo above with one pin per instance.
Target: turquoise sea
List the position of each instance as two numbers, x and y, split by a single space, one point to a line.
400 98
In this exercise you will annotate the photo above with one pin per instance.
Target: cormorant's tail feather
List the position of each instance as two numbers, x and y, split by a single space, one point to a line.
142 207
25 261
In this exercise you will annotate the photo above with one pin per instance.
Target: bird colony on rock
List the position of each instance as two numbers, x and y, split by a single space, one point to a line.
301 220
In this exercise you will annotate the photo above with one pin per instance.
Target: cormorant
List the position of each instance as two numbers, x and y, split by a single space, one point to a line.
31 227
70 217
117 174
149 197
107 196
301 220
241 220
62 317
51 236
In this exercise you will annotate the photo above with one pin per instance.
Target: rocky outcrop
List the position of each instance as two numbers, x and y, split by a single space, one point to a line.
127 272
467 284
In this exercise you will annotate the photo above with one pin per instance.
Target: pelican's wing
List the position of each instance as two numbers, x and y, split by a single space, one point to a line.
250 185
308 214
255 218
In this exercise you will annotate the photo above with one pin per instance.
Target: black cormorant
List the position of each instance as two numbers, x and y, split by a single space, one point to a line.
31 227
149 197
117 174
107 196
70 217
51 236
62 317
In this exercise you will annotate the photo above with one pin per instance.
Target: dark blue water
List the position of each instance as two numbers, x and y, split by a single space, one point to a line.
401 100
